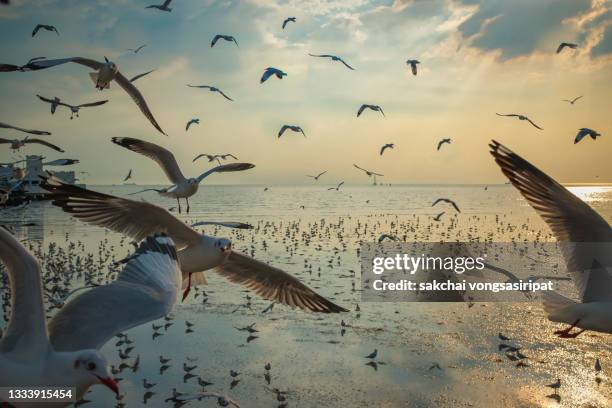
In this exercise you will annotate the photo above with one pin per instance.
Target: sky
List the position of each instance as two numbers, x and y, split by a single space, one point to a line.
478 57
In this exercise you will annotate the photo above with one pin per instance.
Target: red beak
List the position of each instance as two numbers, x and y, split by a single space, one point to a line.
110 383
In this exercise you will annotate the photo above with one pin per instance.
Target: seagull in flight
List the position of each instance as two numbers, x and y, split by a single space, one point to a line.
385 147
520 117
191 122
30 131
316 178
129 176
337 188
375 108
227 224
333 58
368 172
211 89
213 157
566 44
182 187
571 101
136 50
44 27
17 144
74 109
272 71
444 141
413 65
439 216
287 20
448 201
292 128
162 7
105 73
222 37
196 252
586 132
61 162
583 236
135 77
31 65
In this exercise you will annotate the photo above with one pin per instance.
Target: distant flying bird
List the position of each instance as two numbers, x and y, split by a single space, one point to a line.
136 50
375 108
317 176
135 77
213 157
368 172
31 65
571 101
586 132
382 237
162 7
129 176
386 146
333 58
105 73
191 122
337 188
272 71
227 224
74 109
223 37
287 20
17 144
61 162
44 27
413 65
568 45
448 201
292 128
211 89
439 216
30 131
443 141
520 117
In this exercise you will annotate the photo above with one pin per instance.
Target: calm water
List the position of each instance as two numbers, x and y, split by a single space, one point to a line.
312 358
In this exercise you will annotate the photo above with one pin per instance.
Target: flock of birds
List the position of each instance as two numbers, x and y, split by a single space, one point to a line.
172 256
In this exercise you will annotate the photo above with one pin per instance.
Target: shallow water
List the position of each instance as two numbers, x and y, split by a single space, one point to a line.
317 362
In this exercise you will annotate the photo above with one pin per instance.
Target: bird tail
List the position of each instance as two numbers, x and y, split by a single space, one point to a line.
555 305
94 78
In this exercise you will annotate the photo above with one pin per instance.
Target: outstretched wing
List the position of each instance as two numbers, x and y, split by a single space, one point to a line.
224 95
158 154
85 105
530 121
225 168
138 99
145 290
282 130
214 40
347 65
228 224
30 131
361 109
141 75
44 143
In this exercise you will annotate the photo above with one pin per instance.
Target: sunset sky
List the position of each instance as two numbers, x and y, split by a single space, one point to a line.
477 57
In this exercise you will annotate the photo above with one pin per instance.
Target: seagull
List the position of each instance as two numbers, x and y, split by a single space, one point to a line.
31 65
211 89
272 71
182 187
582 132
162 7
44 27
571 101
443 141
129 176
372 354
337 188
17 144
368 172
61 162
223 37
438 217
521 117
191 122
556 385
222 400
136 50
333 58
382 237
105 73
197 252
228 224
375 108
135 77
74 109
386 146
565 44
448 201
573 223
413 65
293 128
317 176
287 20
30 131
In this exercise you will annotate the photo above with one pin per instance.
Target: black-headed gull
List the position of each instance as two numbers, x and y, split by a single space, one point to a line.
385 147
211 89
44 27
316 178
583 132
413 65
448 201
375 108
443 142
520 117
566 45
571 101
293 128
74 109
333 58
272 71
223 37
161 7
287 20
17 144
368 172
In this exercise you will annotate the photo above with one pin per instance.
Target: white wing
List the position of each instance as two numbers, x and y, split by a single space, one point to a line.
161 156
25 336
145 290
225 168
33 132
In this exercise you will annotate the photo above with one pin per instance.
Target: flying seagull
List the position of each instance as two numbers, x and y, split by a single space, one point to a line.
31 65
162 7
292 128
44 27
333 58
30 131
386 146
272 71
61 162
413 65
213 157
520 117
444 141
105 73
566 44
375 108
17 144
135 77
196 252
182 187
571 101
191 122
448 201
74 109
438 217
129 176
337 188
583 236
317 176
368 172
223 37
228 224
211 89
586 132
287 20
136 50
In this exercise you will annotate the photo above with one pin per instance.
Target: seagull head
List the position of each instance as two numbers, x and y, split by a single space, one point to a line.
91 368
224 245
111 65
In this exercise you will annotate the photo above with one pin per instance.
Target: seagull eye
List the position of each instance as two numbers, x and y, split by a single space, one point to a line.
91 366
